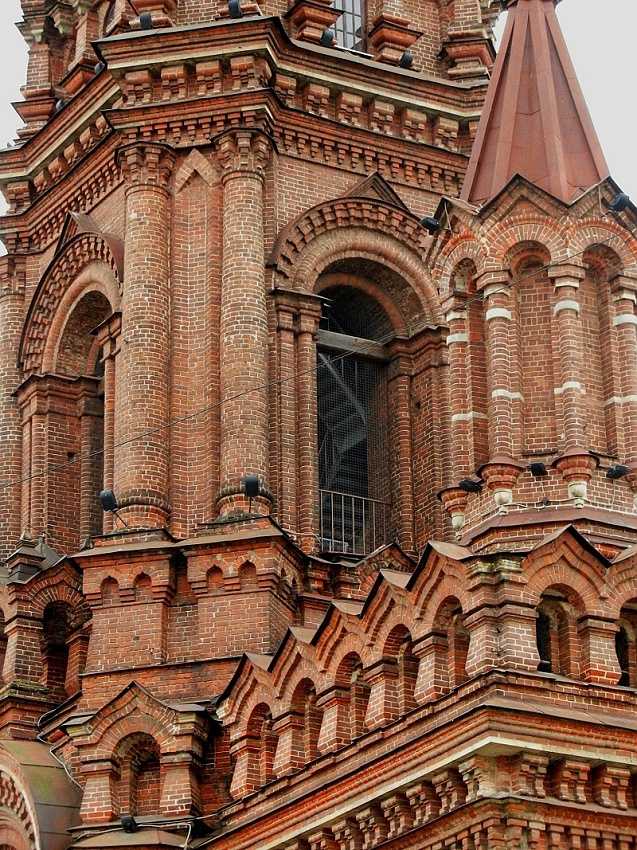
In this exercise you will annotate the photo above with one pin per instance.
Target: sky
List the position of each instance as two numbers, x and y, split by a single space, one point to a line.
601 38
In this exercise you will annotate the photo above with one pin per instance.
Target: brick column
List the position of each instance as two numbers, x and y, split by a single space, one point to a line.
108 335
12 273
575 464
501 470
599 663
400 446
243 155
382 706
99 799
624 293
141 464
91 443
307 427
287 418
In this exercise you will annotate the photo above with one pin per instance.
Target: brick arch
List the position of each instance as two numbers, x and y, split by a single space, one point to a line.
60 279
505 236
349 228
60 589
303 670
463 247
623 585
351 643
368 287
400 619
589 233
444 578
566 572
137 715
250 686
18 822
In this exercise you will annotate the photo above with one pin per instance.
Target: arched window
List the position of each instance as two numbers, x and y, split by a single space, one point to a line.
56 630
260 731
626 645
543 642
110 591
451 647
78 357
137 757
143 588
623 656
351 27
214 579
311 717
556 632
349 677
354 474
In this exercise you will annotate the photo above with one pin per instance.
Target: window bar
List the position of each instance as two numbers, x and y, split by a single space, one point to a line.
343 520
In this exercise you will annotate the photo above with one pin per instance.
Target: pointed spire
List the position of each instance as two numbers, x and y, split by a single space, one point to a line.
535 121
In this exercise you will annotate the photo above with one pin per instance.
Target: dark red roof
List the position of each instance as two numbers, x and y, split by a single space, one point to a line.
535 121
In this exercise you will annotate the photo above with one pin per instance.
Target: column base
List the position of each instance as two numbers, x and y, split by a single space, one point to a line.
141 509
238 504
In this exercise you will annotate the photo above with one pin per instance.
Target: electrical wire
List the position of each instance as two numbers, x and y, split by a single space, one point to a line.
269 384
363 349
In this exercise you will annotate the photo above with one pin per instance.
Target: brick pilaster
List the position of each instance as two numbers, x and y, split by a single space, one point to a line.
243 155
108 337
624 294
12 272
575 463
504 397
307 427
141 463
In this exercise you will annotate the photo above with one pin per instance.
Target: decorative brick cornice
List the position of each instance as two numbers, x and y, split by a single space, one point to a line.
146 164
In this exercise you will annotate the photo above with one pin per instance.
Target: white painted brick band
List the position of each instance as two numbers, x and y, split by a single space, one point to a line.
625 319
567 304
497 313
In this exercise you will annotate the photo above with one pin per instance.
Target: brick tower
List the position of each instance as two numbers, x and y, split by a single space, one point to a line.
340 311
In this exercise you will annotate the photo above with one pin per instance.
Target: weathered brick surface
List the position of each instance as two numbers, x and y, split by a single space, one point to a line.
472 683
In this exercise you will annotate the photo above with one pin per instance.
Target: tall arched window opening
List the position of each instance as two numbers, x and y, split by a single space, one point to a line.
354 478
351 27
79 360
56 630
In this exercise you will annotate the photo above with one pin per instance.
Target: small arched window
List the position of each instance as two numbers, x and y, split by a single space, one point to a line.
543 642
351 27
137 757
623 656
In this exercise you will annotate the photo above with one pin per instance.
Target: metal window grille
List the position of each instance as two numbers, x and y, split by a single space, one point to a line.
353 462
350 27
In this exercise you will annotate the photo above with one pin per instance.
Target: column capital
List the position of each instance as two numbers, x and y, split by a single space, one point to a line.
624 285
566 274
146 164
493 281
243 151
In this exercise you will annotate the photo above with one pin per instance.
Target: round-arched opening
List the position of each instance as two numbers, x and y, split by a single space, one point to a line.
358 318
57 627
352 312
138 759
77 352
